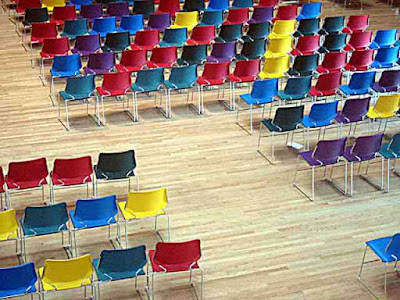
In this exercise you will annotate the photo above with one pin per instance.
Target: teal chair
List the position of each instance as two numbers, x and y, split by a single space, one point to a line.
391 151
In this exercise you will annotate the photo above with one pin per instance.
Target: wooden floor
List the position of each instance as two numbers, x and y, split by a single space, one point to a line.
261 238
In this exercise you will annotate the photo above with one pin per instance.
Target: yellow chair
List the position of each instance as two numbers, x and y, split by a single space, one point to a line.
279 46
187 19
275 67
283 28
143 205
9 227
50 4
386 107
58 275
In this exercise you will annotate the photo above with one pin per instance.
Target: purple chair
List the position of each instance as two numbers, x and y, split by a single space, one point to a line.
91 11
389 82
222 52
87 44
261 15
117 9
365 148
325 153
353 111
100 63
159 21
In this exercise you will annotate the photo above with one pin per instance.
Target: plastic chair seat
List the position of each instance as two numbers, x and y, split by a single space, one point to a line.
138 215
36 231
377 64
372 114
307 156
388 154
257 101
348 91
90 223
347 119
273 128
104 92
60 287
233 78
283 96
310 123
115 175
63 73
175 268
25 184
385 89
8 235
210 82
353 158
379 247
316 93
71 181
114 275
66 96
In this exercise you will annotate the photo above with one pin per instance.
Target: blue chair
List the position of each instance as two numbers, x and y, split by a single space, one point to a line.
391 151
79 3
296 88
212 17
93 213
18 281
242 3
174 37
307 27
103 26
74 28
121 264
310 10
320 116
45 220
131 24
263 92
360 84
387 249
384 39
218 5
386 58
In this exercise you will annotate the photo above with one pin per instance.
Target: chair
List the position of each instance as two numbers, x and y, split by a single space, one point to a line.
169 6
296 88
286 120
45 220
87 44
118 9
386 58
103 26
94 213
121 264
181 78
58 275
50 4
310 10
143 7
23 5
146 39
286 12
304 65
360 60
359 41
353 111
306 45
242 3
9 231
80 89
26 175
246 71
74 28
40 32
144 205
252 50
279 47
326 153
307 27
283 28
222 52
18 281
384 38
116 42
100 63
174 258
188 20
257 31
261 15
63 13
202 35
237 16
51 48
388 83
218 5
91 11
132 61
132 24
229 33
332 25
332 62
275 67
2 190
148 81
212 17
263 92
333 43
33 15
78 3
268 3
327 85
385 107
360 84
174 37
159 21
365 148
391 151
193 55
194 5
163 57
356 23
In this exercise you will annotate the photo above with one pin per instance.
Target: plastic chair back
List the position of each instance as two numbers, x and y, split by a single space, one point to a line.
258 30
17 280
55 46
66 65
50 218
360 60
62 13
288 118
116 83
118 9
143 7
193 54
262 14
25 171
365 147
218 5
41 31
384 38
237 16
362 80
394 144
147 201
387 56
334 61
280 46
183 77
284 27
355 108
79 3
116 165
87 44
80 87
333 42
356 23
329 81
332 25
100 63
202 35
298 85
187 19
132 60
242 3
72 167
216 71
131 23
163 57
323 111
170 6
104 25
8 226
194 5
74 28
245 69
36 15
329 151
389 81
308 27
264 88
276 65
304 65
50 4
222 52
359 40
307 45
150 80
387 104
91 11
159 21
286 12
174 37
96 209
147 38
117 41
23 5
212 17
268 3
310 10
230 32
252 49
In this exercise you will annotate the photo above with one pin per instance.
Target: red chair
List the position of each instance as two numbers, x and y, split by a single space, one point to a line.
132 61
169 6
202 35
360 60
286 12
333 62
23 5
356 23
237 16
327 85
52 47
268 3
41 31
245 71
26 175
115 84
214 74
62 13
2 190
163 57
359 41
71 172
306 45
176 257
146 40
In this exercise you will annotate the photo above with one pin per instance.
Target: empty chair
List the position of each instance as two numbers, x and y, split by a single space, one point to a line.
333 42
50 4
386 57
296 88
327 85
103 26
63 13
353 111
306 45
87 44
168 6
9 230
229 33
74 28
118 9
356 23
195 54
359 41
242 3
388 83
146 39
163 57
275 67
91 11
52 47
143 7
307 27
252 50
261 14
257 31
279 46
159 21
40 32
222 52
360 60
390 151
79 3
384 39
360 84
283 28
202 35
18 281
268 3
116 42
332 25
131 24
100 63
310 10
194 5
304 65
23 5
132 61
33 15
332 62
218 5
174 37
212 17
385 107
186 20
237 16
286 12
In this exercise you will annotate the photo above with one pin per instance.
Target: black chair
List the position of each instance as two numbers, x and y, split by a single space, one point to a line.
257 31
116 42
304 65
143 7
193 55
229 33
333 42
252 50
332 25
286 120
307 27
116 166
194 5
